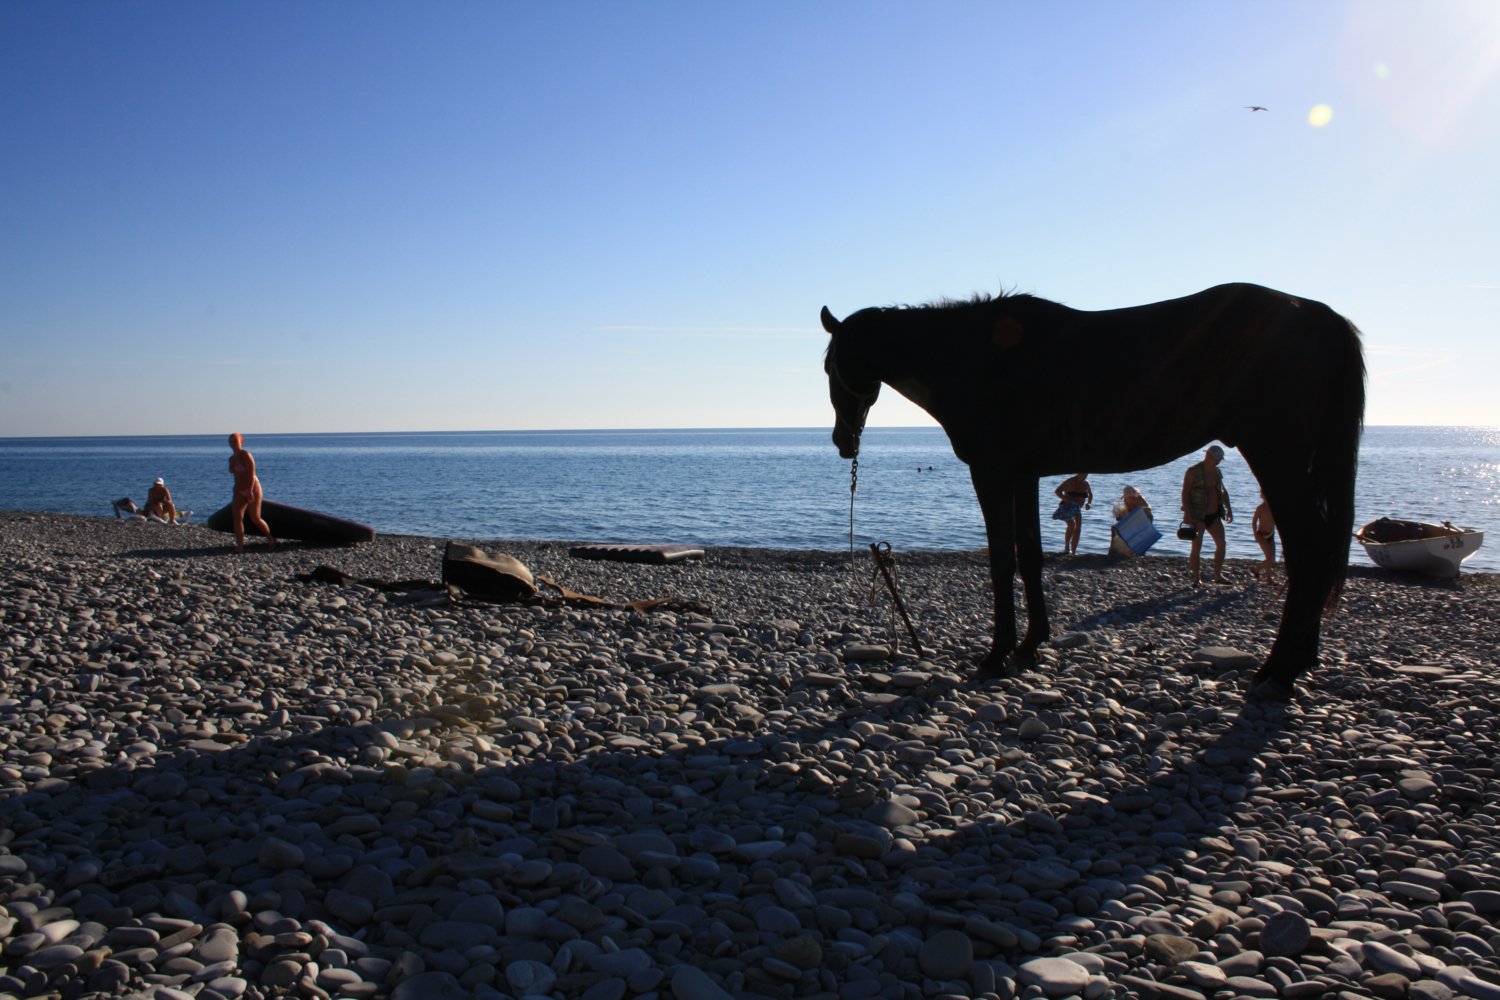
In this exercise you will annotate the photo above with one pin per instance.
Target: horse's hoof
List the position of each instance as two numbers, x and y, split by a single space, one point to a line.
1269 690
993 668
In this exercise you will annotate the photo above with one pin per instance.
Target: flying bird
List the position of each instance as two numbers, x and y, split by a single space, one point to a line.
1254 107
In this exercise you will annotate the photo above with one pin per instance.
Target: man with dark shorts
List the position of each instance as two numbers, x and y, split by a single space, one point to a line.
1205 502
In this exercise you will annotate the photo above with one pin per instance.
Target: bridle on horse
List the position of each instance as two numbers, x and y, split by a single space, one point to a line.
866 400
885 563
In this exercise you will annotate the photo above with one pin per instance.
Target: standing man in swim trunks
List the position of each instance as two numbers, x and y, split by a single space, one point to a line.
1205 501
1077 496
247 496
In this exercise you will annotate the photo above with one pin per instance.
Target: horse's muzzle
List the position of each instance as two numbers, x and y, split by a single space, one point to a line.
847 444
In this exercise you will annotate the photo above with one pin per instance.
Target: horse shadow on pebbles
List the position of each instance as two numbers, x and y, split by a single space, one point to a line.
306 863
842 829
247 863
287 863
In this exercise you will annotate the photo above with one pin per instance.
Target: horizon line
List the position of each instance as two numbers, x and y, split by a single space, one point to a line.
583 430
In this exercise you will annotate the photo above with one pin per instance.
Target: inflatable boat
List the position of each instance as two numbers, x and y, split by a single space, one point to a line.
304 525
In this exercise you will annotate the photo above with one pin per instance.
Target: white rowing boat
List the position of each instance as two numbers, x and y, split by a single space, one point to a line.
1434 549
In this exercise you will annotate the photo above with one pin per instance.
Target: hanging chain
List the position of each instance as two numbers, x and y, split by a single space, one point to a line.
853 488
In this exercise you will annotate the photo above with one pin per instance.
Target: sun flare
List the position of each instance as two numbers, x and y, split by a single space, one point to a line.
1320 116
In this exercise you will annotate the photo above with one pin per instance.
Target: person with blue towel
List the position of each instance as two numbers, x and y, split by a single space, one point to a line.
1133 531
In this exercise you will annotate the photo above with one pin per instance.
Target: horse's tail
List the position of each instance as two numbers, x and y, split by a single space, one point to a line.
1335 456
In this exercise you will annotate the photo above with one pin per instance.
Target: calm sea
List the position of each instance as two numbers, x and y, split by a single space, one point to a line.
775 488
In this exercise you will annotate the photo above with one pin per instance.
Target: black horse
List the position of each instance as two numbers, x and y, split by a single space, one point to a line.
1281 378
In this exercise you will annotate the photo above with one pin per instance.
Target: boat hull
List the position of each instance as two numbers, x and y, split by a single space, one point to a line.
304 525
1439 556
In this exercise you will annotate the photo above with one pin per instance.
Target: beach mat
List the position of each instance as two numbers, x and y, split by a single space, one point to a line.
286 521
657 555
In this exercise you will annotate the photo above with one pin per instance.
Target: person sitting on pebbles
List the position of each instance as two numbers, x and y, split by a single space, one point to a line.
159 506
1130 501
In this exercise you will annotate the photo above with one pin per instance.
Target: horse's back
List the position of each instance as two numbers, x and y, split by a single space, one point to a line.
1224 332
1206 366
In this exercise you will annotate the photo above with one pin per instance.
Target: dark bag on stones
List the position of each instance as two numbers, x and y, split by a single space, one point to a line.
495 577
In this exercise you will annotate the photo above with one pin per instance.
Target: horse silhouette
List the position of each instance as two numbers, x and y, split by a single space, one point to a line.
1279 377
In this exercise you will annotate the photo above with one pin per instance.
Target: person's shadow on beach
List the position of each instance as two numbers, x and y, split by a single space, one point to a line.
253 546
171 820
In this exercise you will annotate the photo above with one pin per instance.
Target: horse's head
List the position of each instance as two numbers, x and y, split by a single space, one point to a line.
852 388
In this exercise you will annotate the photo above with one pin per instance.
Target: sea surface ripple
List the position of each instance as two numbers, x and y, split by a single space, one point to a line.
776 488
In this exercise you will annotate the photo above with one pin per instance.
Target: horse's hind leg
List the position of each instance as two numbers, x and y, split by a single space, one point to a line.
1311 577
1307 591
1029 557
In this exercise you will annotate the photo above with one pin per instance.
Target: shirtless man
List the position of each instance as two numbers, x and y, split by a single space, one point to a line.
247 496
1205 502
159 503
1077 496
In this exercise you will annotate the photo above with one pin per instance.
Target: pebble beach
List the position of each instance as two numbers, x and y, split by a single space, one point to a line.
220 781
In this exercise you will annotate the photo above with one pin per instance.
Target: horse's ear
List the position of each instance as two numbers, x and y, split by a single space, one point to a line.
829 323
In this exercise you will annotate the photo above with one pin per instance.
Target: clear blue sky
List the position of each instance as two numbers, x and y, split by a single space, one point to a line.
323 216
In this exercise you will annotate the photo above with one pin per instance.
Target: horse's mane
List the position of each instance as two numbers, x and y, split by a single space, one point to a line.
977 299
947 304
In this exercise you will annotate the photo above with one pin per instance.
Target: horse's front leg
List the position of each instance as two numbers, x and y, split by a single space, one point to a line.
1029 555
996 492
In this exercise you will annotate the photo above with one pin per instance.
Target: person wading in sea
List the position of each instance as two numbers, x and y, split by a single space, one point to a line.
247 494
1077 496
1205 501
